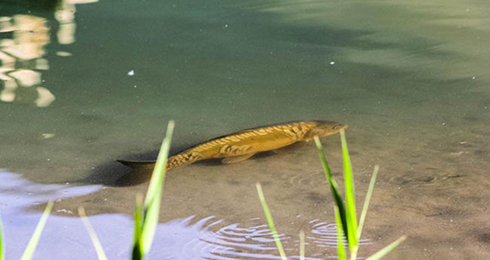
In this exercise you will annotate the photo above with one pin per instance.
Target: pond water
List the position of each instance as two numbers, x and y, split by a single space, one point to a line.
86 82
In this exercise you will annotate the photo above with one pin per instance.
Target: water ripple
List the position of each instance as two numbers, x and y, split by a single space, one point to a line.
253 241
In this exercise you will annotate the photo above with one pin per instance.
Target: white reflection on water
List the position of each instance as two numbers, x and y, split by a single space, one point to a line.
17 194
22 59
23 41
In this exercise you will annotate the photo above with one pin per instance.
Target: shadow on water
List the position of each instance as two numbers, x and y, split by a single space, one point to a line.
115 174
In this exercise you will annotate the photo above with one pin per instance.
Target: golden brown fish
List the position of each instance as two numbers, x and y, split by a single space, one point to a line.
242 145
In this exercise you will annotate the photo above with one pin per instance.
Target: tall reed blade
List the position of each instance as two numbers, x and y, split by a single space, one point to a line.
95 240
366 202
340 238
301 245
387 249
138 227
334 188
270 221
151 209
2 243
31 247
350 202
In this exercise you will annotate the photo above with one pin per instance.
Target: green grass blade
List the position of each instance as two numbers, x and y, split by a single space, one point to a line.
340 238
92 234
151 208
387 249
2 243
31 247
270 221
158 174
350 202
301 245
367 201
137 253
334 187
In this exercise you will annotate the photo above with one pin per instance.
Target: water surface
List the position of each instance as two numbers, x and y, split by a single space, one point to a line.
86 83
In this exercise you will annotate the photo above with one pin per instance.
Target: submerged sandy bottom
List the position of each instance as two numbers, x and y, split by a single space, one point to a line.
431 188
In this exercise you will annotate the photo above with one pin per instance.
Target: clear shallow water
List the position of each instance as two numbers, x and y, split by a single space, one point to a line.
80 89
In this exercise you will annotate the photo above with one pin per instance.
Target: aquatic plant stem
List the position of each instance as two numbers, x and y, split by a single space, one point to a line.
334 188
340 238
367 201
350 203
270 222
387 249
146 216
93 236
301 245
31 247
2 243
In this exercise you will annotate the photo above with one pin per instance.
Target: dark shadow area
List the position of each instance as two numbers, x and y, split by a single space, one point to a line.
117 175
113 173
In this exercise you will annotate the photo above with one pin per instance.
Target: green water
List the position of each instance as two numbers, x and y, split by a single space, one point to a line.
85 84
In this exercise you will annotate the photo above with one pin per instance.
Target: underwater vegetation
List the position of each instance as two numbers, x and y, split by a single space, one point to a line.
147 211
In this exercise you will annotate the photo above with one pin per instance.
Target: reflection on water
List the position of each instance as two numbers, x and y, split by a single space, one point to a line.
16 194
23 41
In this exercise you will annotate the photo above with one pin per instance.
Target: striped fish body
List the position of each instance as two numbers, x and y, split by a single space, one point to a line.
244 144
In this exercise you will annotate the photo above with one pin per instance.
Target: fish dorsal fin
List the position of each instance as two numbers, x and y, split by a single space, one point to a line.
235 159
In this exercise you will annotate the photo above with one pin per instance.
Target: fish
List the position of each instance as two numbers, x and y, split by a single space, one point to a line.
242 145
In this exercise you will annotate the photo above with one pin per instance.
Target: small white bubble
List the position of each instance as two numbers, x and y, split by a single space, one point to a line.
131 73
332 63
473 78
135 86
226 25
443 123
48 135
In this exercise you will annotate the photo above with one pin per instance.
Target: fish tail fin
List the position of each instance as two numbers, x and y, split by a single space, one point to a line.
173 162
138 164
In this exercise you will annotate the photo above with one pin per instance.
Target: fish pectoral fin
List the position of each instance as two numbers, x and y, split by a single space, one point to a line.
235 159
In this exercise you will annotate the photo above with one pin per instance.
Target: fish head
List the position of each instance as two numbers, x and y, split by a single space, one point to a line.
325 128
